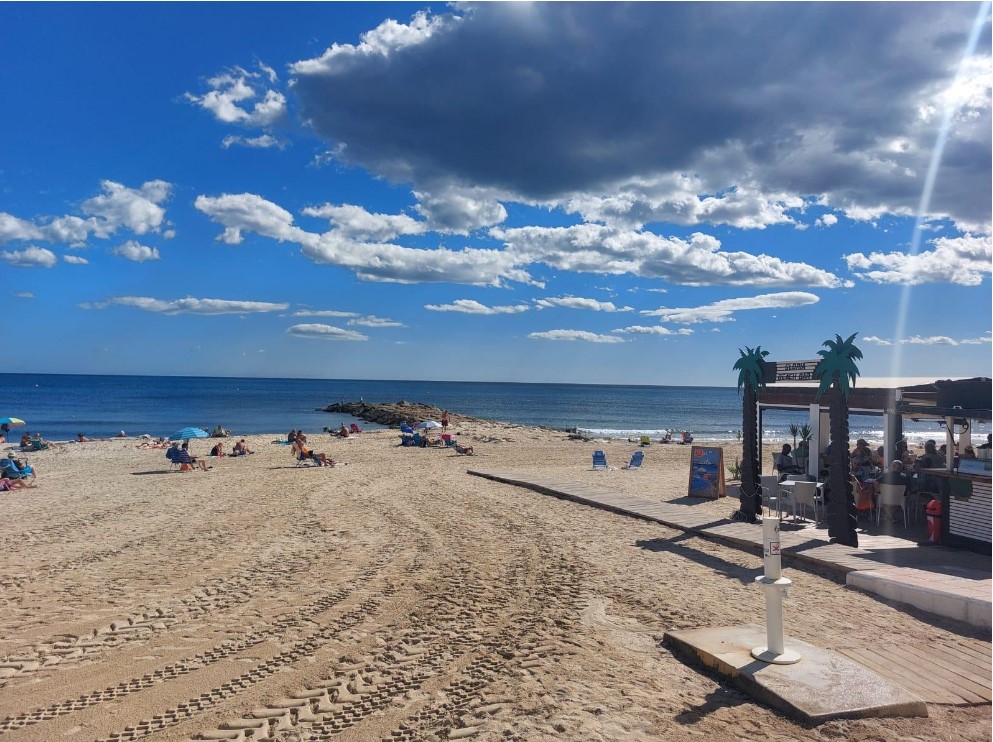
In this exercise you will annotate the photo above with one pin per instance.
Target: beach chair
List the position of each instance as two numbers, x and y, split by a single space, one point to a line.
891 495
599 460
645 441
804 494
636 458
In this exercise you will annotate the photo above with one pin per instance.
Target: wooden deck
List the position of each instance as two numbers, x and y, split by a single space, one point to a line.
937 579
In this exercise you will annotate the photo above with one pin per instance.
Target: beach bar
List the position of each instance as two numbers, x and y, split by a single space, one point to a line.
962 486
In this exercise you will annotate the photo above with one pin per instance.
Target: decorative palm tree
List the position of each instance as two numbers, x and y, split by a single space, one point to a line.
750 378
835 370
794 431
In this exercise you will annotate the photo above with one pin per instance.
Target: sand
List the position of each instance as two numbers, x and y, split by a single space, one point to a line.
395 597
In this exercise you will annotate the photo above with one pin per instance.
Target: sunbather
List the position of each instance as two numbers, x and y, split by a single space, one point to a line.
240 449
218 450
7 484
15 470
302 453
463 450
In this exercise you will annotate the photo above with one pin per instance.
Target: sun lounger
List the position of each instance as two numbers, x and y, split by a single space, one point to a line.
636 458
599 460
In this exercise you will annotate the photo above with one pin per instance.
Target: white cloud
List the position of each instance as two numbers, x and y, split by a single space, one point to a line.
23 295
697 261
327 332
470 306
964 260
574 335
354 222
826 220
373 321
721 311
323 313
30 257
872 339
12 228
246 211
137 209
654 330
460 210
977 341
931 340
241 97
75 260
136 252
386 39
188 305
262 141
576 302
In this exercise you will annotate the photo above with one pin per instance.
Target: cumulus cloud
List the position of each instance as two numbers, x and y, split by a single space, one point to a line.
188 305
139 210
371 261
262 141
326 332
654 330
722 311
355 222
471 306
697 261
576 302
552 107
136 252
241 97
75 260
964 260
930 340
30 257
374 321
460 210
574 335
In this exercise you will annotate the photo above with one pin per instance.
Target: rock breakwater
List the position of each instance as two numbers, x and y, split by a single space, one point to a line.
391 414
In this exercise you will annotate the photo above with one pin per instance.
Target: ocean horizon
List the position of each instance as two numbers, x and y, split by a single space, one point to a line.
61 405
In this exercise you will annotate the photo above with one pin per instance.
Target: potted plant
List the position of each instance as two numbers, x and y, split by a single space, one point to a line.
802 451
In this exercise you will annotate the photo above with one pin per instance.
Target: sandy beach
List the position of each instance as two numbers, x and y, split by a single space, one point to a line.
395 597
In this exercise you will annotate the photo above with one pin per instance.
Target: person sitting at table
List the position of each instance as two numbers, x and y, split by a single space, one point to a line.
861 459
989 441
969 453
931 458
785 464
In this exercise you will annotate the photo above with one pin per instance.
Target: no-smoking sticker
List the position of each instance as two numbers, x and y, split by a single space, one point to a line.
774 547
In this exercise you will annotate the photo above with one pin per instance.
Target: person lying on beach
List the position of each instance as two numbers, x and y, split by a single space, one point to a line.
9 485
302 453
240 449
26 440
463 450
82 438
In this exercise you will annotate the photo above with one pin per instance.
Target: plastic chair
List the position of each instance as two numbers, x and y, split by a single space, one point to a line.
891 495
599 460
636 458
804 494
769 485
864 501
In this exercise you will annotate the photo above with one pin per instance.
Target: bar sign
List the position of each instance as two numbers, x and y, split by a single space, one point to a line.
795 370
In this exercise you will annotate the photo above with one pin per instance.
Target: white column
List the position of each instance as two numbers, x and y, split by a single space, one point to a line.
775 586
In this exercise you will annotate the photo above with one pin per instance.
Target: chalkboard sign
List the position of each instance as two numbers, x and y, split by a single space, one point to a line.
707 472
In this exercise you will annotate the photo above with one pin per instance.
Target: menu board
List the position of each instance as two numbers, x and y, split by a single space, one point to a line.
707 472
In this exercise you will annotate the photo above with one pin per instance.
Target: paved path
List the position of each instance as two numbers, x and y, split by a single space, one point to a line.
938 580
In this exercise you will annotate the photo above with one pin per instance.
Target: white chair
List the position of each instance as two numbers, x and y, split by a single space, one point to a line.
804 494
770 489
891 495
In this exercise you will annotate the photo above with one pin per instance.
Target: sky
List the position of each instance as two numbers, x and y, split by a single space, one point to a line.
575 193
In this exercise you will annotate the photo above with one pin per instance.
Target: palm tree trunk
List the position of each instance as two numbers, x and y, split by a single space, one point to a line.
751 493
838 492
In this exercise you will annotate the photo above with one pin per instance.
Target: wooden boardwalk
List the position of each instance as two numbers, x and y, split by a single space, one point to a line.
938 580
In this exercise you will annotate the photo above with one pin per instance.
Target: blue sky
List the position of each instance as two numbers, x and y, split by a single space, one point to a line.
600 193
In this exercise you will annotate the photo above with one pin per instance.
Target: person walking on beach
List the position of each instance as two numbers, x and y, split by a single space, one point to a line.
444 421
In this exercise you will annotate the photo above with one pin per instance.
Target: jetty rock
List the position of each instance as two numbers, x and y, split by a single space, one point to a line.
391 414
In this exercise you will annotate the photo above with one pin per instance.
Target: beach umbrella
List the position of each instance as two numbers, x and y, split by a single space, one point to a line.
11 422
186 433
427 425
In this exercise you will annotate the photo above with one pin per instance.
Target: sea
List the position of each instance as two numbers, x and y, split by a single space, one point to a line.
59 406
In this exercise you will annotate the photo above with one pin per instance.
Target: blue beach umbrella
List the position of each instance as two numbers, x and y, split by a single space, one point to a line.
186 433
11 421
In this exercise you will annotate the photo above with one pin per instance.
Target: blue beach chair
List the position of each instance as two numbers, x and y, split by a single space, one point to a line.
636 458
599 460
